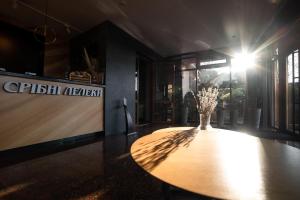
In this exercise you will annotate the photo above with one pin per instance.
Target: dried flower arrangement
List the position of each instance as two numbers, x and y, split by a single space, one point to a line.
207 100
206 103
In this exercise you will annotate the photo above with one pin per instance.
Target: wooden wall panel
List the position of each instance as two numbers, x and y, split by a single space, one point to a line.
33 118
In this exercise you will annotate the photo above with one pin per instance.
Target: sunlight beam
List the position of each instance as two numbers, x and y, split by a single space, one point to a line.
243 61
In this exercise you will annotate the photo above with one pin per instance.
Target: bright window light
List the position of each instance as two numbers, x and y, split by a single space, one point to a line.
213 62
242 61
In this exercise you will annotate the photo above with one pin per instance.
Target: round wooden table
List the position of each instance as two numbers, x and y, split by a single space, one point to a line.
220 163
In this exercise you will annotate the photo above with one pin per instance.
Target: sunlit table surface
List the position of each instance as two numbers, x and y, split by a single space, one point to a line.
220 163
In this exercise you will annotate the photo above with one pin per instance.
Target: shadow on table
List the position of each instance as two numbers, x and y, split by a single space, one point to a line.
153 153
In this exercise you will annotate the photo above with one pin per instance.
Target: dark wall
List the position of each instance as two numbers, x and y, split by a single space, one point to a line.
121 56
94 41
118 51
120 81
19 50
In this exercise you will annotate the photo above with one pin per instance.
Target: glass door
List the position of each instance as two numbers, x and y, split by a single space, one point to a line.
188 79
238 94
230 78
217 77
191 74
164 92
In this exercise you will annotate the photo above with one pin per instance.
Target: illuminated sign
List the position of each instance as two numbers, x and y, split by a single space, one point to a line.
47 89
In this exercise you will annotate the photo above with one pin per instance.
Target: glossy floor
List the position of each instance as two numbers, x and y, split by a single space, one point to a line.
101 169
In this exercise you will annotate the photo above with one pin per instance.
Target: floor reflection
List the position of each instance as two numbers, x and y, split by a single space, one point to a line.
99 170
102 169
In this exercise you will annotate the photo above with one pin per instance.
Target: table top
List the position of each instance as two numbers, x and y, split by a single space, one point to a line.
220 163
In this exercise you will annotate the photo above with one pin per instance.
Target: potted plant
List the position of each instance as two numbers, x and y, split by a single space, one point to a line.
189 108
220 112
257 113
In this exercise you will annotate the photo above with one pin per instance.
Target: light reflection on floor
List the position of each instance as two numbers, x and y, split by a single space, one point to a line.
100 170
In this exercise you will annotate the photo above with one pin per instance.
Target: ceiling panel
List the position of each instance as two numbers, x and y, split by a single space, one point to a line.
167 26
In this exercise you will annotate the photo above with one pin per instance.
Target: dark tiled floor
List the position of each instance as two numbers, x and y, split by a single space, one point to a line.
99 170
102 169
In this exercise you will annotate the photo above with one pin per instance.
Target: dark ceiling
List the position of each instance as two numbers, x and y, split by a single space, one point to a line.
167 26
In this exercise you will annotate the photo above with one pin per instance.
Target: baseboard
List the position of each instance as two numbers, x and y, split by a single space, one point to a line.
21 154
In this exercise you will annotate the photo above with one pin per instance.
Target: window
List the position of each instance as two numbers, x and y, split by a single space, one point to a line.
188 75
188 64
213 62
293 103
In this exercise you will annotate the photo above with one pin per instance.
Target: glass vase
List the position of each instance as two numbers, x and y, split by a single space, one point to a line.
204 121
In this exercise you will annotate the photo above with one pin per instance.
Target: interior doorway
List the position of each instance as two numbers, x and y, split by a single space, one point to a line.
143 89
